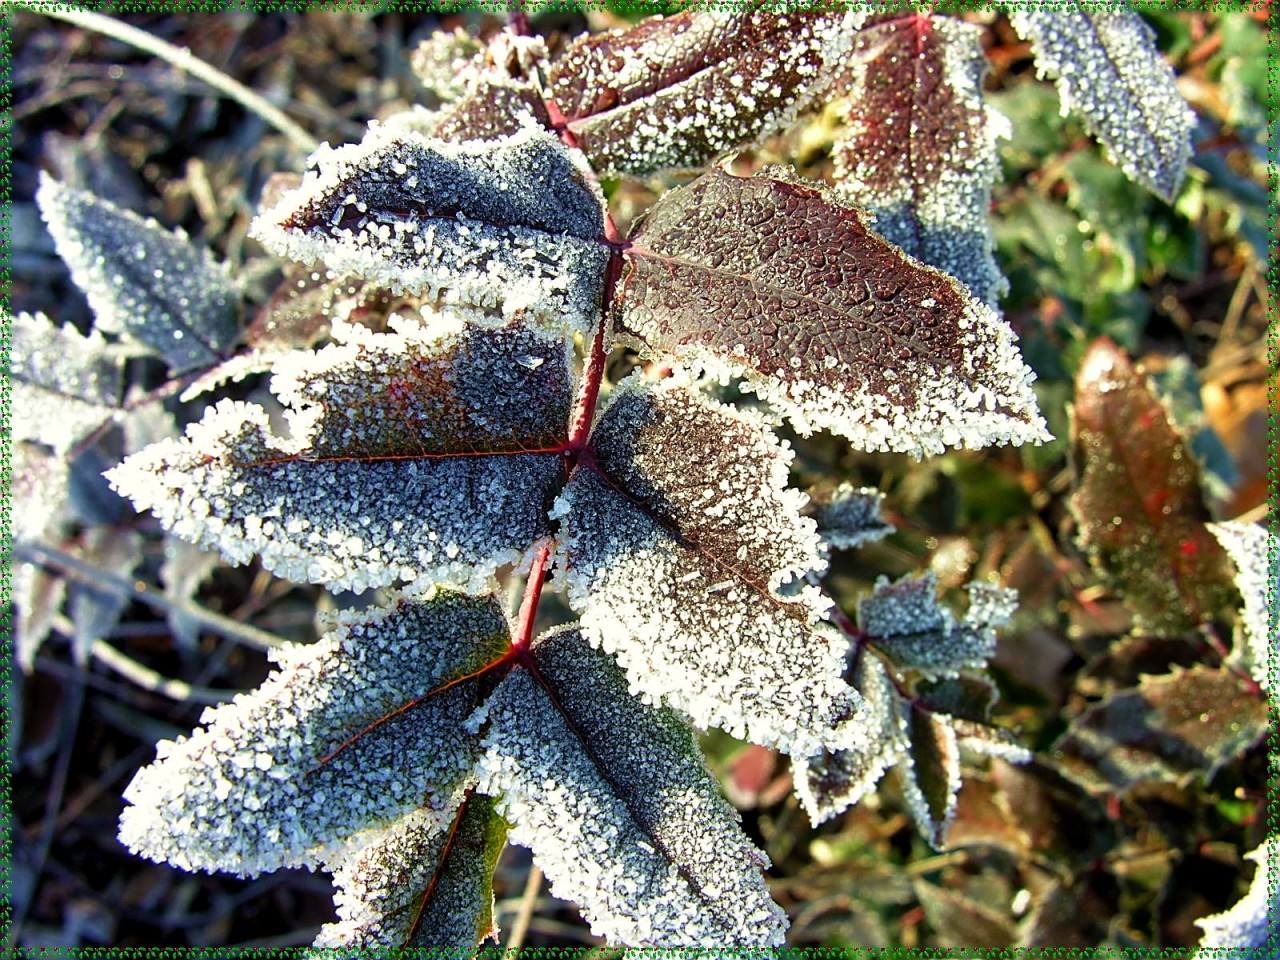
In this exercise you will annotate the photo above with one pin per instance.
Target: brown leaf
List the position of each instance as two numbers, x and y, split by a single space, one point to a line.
1137 499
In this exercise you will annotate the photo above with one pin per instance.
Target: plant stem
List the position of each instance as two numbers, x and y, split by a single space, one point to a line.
532 595
75 568
183 59
520 929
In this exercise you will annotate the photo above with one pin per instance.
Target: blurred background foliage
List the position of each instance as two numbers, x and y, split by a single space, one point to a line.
1076 848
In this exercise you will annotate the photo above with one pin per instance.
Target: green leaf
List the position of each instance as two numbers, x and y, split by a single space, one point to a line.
1137 499
1171 728
931 774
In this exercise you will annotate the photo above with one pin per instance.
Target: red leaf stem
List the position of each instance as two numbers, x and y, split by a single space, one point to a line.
529 603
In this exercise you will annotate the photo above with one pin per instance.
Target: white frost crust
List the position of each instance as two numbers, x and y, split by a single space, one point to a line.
1256 555
665 129
1255 918
829 783
143 281
64 384
537 254
248 792
852 517
1107 68
615 801
687 565
916 631
353 499
952 408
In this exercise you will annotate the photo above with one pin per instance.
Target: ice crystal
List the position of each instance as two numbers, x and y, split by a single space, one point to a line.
143 281
1108 69
771 279
509 222
421 456
1256 555
65 384
685 551
615 801
353 733
425 881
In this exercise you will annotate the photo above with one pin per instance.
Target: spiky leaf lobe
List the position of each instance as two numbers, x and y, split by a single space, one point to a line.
686 555
773 280
617 804
354 732
422 456
143 281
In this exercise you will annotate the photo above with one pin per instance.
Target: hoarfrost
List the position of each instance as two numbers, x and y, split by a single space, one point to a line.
617 804
325 749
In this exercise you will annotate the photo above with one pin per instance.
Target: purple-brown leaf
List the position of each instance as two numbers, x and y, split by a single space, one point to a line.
678 91
919 148
1137 499
774 280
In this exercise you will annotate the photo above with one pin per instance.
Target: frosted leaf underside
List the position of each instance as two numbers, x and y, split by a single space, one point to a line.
64 383
617 804
772 280
288 774
1256 556
143 281
851 517
683 548
677 91
507 223
919 149
426 881
422 456
832 781
910 626
1108 70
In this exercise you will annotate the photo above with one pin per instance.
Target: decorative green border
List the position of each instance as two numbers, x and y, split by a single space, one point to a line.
578 953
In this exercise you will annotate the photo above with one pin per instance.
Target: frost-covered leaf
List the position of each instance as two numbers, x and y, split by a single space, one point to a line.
832 781
425 456
617 804
1256 555
1137 499
685 552
919 151
930 774
1171 728
424 882
851 517
64 384
1253 923
143 281
185 567
353 733
910 626
95 612
676 92
37 489
509 223
1109 71
774 280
